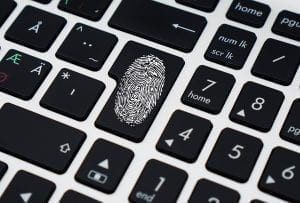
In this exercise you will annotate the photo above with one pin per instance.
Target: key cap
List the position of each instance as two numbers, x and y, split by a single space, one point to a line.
178 29
291 129
21 74
3 169
277 62
72 94
82 46
234 155
7 6
257 106
204 5
208 191
184 136
208 89
92 9
247 12
38 139
281 175
28 188
43 1
74 197
144 78
287 24
35 28
104 166
230 46
257 201
159 182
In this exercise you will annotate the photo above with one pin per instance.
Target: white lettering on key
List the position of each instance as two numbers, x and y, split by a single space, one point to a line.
38 69
228 40
293 130
248 10
290 23
145 197
36 27
199 98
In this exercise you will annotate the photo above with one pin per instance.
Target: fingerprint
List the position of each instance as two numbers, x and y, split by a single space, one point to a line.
139 89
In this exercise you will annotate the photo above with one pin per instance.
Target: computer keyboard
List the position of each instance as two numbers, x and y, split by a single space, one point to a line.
149 101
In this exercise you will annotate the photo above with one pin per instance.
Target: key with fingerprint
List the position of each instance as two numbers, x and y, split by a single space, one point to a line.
144 78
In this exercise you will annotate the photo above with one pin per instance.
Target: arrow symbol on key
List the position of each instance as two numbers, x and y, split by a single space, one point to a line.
169 142
270 180
177 26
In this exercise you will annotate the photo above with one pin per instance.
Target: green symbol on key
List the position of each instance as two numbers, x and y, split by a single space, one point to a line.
15 58
66 2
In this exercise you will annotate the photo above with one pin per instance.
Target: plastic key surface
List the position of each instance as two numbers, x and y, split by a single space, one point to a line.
38 139
178 29
144 78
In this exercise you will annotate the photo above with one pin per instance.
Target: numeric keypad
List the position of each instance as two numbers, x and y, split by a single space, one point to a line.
257 106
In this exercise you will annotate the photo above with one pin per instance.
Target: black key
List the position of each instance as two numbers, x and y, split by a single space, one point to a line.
159 182
7 6
205 5
291 128
104 166
28 188
257 106
92 9
234 155
248 12
208 191
281 176
38 139
72 94
74 197
21 74
35 28
230 46
208 89
43 1
82 46
178 29
277 62
145 77
184 136
3 169
257 201
287 24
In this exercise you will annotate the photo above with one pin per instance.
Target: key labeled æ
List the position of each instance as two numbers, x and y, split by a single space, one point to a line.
22 74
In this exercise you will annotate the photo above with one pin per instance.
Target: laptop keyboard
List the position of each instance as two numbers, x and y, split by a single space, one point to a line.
149 101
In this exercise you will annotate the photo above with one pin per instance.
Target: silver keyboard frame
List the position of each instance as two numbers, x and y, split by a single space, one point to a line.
146 150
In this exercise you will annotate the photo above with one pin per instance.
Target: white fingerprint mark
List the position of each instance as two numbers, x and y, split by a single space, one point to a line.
139 90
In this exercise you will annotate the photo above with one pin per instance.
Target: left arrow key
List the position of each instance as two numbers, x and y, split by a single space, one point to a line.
28 188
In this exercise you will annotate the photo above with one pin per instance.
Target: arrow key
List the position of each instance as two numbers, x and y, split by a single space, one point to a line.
184 136
104 166
281 176
28 188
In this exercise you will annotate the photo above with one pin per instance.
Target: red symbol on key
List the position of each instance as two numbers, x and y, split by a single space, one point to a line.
3 77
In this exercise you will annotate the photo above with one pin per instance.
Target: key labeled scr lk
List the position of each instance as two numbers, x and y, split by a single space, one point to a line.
21 74
230 46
